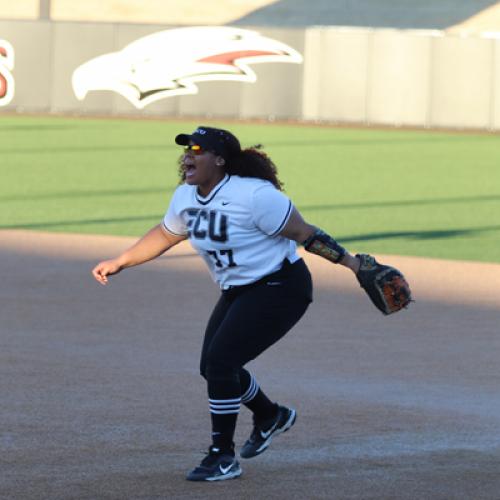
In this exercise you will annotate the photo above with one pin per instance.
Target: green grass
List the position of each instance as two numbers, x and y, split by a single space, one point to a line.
420 193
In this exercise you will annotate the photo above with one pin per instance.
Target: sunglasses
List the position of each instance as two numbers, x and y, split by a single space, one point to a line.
195 149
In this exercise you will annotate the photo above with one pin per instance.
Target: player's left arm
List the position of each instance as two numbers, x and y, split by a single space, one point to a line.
385 285
317 241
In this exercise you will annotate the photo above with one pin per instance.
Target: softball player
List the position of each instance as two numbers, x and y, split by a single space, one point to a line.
231 208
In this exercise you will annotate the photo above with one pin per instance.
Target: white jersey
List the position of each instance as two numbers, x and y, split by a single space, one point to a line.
235 228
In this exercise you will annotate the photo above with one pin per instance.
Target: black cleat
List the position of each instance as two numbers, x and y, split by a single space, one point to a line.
216 466
261 436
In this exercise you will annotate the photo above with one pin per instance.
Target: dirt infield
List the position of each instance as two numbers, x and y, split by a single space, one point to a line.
101 399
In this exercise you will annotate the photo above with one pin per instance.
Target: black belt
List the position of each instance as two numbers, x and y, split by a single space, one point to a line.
234 291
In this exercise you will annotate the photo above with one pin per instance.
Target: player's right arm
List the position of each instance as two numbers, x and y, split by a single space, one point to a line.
154 243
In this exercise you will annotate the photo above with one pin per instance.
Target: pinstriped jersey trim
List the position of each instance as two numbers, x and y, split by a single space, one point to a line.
172 232
285 220
206 201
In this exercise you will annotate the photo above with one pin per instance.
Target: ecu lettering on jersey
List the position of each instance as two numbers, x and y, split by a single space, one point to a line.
235 228
204 223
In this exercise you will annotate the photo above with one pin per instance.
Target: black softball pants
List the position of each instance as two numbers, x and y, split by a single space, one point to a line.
245 322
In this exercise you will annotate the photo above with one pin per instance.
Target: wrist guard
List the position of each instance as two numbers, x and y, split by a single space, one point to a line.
325 246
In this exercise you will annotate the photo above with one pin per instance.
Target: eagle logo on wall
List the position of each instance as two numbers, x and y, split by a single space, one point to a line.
170 62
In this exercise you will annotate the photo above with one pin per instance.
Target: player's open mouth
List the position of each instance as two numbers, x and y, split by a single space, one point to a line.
189 170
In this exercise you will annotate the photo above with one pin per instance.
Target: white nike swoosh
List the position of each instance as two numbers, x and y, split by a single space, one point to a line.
225 470
265 435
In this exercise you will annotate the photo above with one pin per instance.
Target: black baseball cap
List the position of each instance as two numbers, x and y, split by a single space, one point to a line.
219 141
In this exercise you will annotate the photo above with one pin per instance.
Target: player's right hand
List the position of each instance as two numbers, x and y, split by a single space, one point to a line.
104 269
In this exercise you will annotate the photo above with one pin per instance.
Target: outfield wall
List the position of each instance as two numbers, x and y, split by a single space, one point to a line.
349 75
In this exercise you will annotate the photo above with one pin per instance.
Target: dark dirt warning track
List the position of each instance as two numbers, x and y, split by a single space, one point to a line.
101 397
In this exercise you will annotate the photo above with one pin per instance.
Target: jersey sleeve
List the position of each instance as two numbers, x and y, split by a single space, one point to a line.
172 221
271 209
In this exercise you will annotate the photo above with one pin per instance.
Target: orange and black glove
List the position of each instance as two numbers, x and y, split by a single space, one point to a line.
385 285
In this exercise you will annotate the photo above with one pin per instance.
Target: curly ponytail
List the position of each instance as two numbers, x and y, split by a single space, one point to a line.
251 162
